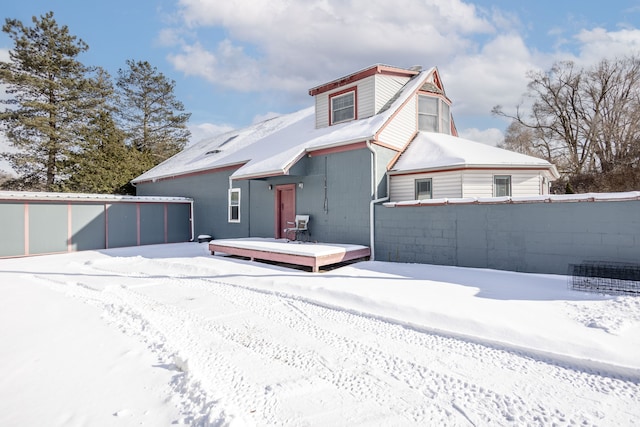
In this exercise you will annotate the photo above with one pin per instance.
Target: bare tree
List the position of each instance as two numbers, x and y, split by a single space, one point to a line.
527 140
586 121
613 95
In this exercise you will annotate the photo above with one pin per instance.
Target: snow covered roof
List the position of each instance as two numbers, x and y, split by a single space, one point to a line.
83 197
273 146
431 151
545 198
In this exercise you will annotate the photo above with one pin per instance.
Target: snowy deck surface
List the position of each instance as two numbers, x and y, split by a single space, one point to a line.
309 254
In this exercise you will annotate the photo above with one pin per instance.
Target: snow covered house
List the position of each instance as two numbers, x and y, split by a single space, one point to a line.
439 166
378 126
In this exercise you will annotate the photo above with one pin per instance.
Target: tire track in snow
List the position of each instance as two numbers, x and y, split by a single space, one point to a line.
163 329
361 385
504 406
395 359
436 397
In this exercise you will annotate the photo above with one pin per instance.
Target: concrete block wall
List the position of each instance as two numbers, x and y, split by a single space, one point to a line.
528 237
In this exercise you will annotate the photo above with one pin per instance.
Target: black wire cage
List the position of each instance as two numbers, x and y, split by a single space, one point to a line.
605 277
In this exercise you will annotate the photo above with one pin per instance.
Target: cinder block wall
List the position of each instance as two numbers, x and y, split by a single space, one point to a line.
528 237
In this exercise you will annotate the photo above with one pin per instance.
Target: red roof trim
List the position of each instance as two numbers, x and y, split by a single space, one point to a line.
359 75
190 174
338 149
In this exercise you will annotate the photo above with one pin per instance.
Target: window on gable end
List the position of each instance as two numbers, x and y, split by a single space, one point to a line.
343 107
434 114
428 113
234 205
445 121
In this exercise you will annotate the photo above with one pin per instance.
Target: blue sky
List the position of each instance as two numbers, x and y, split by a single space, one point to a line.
237 62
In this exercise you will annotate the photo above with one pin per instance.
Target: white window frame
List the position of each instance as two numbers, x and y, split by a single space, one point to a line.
445 117
350 93
497 185
442 115
234 205
420 181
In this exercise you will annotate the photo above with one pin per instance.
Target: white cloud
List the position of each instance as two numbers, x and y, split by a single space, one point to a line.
598 43
284 45
490 136
289 46
495 75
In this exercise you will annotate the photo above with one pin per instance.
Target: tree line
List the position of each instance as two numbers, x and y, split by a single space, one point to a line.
73 127
585 120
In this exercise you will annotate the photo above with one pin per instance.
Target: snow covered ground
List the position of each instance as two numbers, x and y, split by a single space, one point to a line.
168 334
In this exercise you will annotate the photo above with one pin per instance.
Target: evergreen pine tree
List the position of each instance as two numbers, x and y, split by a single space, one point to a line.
50 95
149 112
102 162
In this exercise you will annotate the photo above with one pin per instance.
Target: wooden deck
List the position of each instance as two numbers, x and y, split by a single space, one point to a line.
314 255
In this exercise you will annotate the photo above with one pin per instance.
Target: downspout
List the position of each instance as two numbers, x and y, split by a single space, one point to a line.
193 222
374 200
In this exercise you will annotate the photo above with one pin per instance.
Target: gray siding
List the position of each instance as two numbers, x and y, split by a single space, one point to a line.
122 230
12 227
88 227
467 184
340 215
386 87
531 237
32 227
366 98
373 93
403 127
178 222
151 224
209 193
43 238
345 218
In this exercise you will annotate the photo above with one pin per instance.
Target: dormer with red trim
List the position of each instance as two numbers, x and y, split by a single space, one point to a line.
359 95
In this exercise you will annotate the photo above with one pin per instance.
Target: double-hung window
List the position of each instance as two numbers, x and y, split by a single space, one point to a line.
501 185
343 107
423 189
234 205
434 114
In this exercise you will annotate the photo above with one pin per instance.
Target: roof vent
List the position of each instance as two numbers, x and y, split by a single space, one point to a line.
415 68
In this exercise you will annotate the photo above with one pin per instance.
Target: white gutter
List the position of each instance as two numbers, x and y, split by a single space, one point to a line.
374 200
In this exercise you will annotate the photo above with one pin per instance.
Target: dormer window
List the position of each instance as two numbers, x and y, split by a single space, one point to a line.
343 106
434 114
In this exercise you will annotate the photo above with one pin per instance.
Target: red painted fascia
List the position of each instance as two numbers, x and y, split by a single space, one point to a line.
190 174
338 149
359 75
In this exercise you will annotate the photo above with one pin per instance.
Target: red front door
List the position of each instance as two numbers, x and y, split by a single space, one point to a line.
285 208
